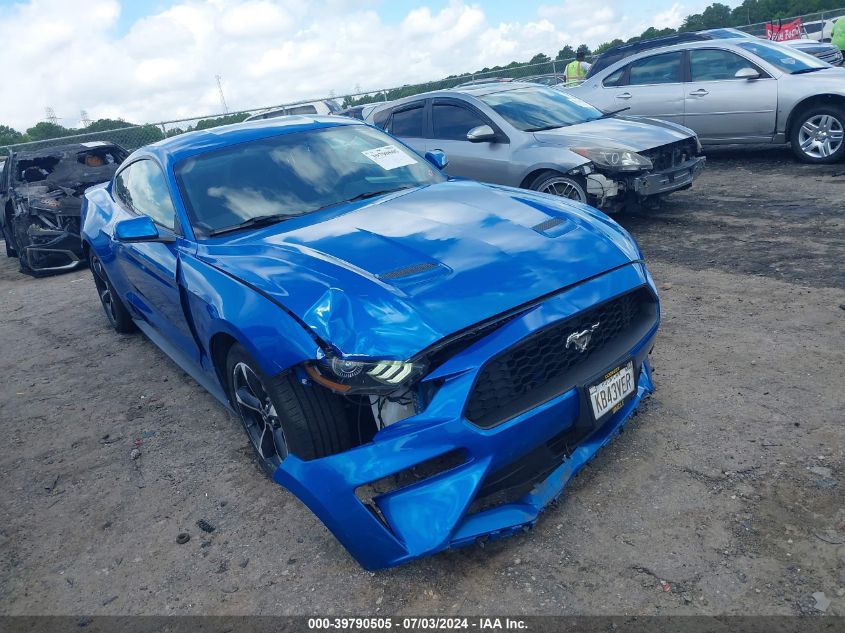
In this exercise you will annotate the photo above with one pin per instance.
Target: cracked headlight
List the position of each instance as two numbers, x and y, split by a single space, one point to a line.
369 377
614 159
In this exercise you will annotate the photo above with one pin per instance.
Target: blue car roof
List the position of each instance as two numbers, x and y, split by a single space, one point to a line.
176 148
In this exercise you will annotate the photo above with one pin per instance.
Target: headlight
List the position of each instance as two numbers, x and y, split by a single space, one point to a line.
370 377
614 159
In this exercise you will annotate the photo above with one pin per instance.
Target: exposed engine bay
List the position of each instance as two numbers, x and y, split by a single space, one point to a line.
42 199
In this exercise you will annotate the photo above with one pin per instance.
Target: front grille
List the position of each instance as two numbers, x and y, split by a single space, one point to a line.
672 155
541 367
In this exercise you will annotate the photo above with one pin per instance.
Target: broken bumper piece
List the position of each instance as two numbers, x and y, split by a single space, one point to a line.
49 251
678 177
461 481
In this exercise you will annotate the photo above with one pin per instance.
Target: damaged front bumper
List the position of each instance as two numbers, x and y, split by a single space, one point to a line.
47 243
668 180
493 480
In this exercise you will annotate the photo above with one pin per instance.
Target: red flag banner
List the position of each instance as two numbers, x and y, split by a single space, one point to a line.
780 32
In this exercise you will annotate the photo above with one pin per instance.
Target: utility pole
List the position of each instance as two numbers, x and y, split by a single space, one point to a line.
84 118
50 115
220 90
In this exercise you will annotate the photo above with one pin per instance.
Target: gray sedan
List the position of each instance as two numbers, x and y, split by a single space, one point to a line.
534 137
732 91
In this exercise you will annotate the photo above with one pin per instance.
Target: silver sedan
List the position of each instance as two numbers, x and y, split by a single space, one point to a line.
732 91
534 137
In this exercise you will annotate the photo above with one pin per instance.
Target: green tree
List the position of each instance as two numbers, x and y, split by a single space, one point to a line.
102 125
45 130
10 136
567 52
540 58
204 124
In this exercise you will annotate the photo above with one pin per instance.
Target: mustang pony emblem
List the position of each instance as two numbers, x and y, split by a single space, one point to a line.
581 339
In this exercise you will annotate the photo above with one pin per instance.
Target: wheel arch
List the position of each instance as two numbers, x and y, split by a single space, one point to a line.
537 171
812 102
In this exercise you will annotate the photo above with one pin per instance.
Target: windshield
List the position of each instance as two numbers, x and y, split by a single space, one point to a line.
786 59
294 174
538 108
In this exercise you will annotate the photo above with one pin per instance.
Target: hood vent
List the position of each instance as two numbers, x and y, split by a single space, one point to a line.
548 224
407 271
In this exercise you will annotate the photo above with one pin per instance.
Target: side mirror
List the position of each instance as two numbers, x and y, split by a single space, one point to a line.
747 73
481 134
140 229
437 157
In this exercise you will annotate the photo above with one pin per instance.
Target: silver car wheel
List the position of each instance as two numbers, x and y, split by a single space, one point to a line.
563 187
821 136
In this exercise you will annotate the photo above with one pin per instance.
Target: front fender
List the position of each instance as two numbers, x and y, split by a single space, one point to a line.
221 304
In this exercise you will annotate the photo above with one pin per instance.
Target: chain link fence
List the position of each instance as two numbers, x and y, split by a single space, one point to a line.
132 137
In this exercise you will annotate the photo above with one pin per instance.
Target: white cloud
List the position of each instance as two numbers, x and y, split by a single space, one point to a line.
67 54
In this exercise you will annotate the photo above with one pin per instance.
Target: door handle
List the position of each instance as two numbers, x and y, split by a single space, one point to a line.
701 92
624 95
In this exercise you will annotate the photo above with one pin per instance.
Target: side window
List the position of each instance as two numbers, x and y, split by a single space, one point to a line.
716 65
142 188
380 119
304 109
452 122
615 78
408 123
657 69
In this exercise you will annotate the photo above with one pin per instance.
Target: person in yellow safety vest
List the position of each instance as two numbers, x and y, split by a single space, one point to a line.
838 35
577 70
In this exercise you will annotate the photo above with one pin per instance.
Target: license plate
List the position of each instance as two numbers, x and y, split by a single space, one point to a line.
609 394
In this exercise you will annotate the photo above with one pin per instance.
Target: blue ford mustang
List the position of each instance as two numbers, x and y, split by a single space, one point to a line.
425 362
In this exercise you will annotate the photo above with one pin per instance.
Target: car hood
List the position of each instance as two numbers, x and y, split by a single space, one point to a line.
623 133
388 278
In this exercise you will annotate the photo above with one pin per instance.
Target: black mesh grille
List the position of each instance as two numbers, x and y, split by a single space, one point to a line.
671 155
541 366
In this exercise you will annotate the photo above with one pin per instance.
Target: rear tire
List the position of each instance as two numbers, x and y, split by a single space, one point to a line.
116 311
281 416
557 184
817 135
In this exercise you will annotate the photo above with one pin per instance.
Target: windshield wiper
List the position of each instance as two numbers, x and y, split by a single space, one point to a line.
606 115
547 127
806 70
373 194
257 221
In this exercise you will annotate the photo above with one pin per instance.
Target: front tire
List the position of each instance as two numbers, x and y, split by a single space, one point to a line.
818 135
281 416
116 311
10 251
557 184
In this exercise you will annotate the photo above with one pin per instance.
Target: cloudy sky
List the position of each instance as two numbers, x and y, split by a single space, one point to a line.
153 60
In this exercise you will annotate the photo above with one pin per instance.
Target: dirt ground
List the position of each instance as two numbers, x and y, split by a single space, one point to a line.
724 495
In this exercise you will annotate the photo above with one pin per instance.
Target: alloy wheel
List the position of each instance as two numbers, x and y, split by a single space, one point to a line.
103 289
258 414
564 188
821 136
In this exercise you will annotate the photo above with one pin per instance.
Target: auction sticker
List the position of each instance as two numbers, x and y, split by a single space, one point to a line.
388 157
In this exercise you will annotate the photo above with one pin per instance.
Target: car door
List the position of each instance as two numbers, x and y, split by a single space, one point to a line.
721 107
650 86
487 161
408 123
150 269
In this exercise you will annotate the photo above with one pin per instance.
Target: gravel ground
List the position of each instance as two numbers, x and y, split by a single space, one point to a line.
724 495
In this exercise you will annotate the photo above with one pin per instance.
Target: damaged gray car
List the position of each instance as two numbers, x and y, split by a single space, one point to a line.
41 194
534 137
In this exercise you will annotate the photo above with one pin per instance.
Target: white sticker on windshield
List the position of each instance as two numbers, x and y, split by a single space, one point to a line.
388 157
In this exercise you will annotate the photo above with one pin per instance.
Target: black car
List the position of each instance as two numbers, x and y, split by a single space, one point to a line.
41 192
